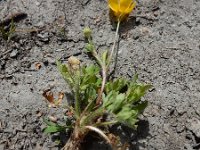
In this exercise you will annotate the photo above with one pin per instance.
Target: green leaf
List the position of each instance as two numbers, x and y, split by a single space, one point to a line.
108 99
117 103
135 78
126 113
8 34
135 92
140 106
105 57
89 47
89 97
90 76
54 129
90 83
92 69
116 85
90 93
49 123
113 101
12 28
64 70
87 80
122 100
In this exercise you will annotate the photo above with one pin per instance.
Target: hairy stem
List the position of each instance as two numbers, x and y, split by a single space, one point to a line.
76 138
72 144
105 123
77 94
104 76
96 56
105 67
114 44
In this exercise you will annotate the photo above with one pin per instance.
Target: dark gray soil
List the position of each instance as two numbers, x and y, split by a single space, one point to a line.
160 42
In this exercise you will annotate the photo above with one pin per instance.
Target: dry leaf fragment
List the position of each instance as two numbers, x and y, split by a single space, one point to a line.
49 97
38 66
69 113
60 97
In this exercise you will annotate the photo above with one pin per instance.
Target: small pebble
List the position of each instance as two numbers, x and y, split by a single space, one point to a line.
14 53
44 37
53 119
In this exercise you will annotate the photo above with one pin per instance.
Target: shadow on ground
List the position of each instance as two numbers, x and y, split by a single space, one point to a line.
126 134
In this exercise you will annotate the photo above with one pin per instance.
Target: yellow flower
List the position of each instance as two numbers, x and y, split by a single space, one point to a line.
121 8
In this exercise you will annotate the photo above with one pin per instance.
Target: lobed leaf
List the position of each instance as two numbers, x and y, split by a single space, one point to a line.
64 70
90 83
136 92
116 85
123 99
54 129
105 56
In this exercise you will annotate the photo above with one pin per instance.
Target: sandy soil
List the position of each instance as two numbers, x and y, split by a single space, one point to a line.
160 42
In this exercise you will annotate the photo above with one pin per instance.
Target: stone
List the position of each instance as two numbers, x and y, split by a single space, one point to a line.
40 24
44 37
194 127
14 53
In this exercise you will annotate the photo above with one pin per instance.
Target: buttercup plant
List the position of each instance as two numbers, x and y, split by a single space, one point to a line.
100 102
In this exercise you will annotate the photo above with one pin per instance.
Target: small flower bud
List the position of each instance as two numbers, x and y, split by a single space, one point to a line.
73 60
87 32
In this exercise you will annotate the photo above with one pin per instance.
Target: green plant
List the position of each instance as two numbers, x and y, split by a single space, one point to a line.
99 101
7 33
96 96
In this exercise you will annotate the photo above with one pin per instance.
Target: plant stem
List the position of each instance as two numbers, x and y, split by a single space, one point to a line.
104 72
104 76
91 116
96 56
100 132
77 94
72 144
105 67
75 140
105 123
114 43
94 52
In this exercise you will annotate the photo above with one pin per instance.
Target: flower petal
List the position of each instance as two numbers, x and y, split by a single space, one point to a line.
130 8
125 4
114 5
